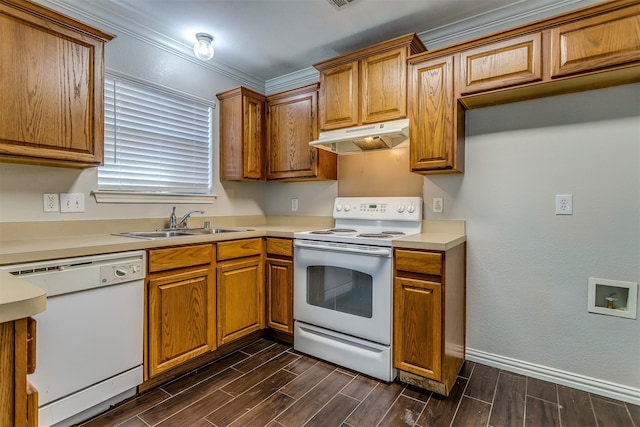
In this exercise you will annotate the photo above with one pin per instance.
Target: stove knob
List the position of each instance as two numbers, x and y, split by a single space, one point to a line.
411 208
347 208
400 208
338 207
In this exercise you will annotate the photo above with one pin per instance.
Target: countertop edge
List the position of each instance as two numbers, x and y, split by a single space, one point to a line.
19 299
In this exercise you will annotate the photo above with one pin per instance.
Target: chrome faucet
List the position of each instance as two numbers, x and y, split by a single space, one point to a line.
174 223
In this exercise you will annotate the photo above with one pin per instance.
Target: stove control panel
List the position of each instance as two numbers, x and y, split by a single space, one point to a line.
378 208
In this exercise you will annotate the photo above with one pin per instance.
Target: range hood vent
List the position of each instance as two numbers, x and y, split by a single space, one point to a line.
379 136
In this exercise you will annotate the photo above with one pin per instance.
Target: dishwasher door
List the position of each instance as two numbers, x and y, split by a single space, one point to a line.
90 338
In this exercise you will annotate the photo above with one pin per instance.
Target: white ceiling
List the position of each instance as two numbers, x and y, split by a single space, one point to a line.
265 39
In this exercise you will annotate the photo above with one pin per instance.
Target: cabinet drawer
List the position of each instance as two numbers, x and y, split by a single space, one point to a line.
239 248
502 64
598 42
283 247
418 262
170 258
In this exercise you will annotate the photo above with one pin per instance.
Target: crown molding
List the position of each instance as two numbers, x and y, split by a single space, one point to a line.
294 80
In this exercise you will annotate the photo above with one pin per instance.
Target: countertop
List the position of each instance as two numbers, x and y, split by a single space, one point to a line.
19 299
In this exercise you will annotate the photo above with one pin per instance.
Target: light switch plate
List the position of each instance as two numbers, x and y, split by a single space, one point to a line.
71 202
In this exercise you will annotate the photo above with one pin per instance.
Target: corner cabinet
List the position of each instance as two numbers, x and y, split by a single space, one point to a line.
293 122
181 309
52 83
18 398
436 132
429 316
240 288
366 86
242 135
279 287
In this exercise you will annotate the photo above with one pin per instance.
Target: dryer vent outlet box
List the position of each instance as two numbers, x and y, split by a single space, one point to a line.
613 297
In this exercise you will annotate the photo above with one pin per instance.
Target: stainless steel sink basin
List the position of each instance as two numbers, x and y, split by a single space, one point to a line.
163 234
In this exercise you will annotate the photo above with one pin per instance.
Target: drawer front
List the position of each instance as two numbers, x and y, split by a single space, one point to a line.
503 64
598 42
283 247
418 262
186 256
239 249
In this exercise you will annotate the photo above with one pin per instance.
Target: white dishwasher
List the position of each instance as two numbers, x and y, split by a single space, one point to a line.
89 341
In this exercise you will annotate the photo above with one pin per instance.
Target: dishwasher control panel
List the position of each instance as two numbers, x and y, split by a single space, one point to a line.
118 273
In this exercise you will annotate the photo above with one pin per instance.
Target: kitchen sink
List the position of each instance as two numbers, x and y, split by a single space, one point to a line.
163 234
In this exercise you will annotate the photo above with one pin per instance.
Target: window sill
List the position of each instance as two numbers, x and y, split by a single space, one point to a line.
159 198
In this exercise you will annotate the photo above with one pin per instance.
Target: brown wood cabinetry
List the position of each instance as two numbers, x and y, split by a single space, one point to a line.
594 43
279 286
240 288
292 123
501 64
181 309
436 119
429 316
242 135
18 398
52 85
366 86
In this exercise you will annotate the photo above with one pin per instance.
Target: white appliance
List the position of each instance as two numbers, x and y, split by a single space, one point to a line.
343 284
89 341
377 136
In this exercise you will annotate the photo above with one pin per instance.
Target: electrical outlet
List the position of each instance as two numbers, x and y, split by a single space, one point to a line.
71 202
438 205
564 204
294 205
51 202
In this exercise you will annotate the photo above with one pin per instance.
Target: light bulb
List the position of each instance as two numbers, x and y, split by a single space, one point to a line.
203 48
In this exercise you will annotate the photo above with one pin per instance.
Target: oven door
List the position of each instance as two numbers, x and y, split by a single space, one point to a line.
344 288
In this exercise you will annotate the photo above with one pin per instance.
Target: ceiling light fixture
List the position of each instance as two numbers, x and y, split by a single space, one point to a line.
203 48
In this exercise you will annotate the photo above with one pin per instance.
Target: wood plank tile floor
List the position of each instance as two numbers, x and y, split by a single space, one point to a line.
269 384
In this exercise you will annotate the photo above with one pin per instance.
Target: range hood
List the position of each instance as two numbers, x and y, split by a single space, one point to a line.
378 136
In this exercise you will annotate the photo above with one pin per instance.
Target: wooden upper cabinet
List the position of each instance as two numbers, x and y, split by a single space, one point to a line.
242 135
366 86
501 64
384 86
52 87
436 120
598 42
339 96
292 123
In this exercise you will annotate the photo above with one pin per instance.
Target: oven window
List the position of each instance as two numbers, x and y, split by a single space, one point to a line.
340 289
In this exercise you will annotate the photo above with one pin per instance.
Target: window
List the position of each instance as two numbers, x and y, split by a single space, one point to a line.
156 141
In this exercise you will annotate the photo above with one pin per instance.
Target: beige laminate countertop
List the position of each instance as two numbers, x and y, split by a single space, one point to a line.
19 299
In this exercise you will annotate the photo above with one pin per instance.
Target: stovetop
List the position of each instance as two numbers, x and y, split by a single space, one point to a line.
370 220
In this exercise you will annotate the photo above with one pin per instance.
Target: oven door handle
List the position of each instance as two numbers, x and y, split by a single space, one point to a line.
366 250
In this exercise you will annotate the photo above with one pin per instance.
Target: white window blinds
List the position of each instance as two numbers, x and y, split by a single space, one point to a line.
155 141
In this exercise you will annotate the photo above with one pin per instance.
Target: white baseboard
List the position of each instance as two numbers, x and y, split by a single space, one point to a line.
569 379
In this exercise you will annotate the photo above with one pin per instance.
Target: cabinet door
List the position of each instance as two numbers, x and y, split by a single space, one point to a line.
436 119
52 90
339 96
291 125
253 119
240 298
417 318
280 294
598 42
181 317
502 64
384 86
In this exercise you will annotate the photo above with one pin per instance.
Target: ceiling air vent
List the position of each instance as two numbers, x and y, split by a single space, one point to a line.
339 4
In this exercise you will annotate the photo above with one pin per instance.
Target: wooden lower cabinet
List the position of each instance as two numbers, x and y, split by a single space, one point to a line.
279 285
429 317
240 289
180 305
18 399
